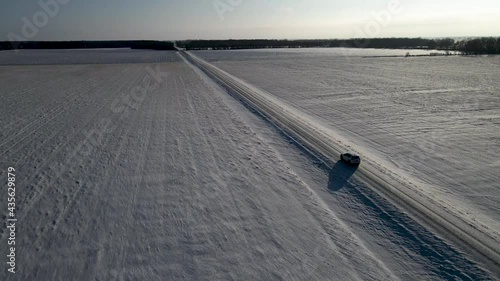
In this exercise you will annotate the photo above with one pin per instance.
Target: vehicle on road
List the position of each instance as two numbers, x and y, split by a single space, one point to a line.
350 158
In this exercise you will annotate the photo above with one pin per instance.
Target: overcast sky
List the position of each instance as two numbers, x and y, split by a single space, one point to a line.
222 19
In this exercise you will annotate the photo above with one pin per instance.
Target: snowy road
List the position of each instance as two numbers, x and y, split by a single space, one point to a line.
434 119
325 143
146 171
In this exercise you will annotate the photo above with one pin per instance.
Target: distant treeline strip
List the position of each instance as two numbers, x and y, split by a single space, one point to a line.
135 44
487 45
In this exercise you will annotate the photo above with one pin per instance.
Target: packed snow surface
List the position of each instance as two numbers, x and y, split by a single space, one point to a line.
150 171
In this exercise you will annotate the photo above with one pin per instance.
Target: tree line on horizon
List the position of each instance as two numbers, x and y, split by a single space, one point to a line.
473 46
485 45
133 44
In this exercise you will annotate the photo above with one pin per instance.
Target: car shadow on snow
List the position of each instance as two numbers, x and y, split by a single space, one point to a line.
447 263
339 175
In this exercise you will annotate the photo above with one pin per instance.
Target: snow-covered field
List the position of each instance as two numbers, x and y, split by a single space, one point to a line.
83 56
436 119
150 171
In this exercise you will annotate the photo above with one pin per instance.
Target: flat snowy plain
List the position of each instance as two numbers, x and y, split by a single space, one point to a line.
133 165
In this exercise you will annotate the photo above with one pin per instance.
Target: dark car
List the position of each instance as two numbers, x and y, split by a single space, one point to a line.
350 158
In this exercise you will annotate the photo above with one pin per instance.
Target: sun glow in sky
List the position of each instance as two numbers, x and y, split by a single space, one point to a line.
223 19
